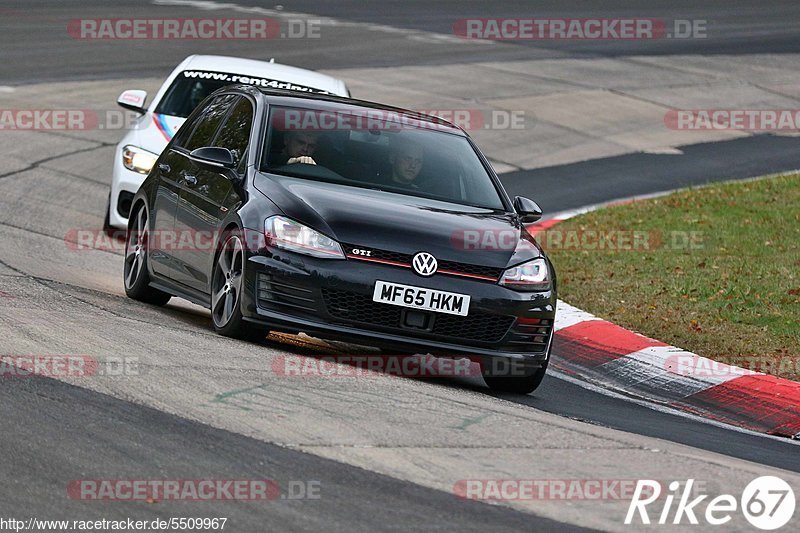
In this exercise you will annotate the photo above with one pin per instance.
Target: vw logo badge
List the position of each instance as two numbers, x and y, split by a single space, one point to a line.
424 264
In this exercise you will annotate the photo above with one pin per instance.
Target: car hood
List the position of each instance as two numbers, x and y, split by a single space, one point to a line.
368 218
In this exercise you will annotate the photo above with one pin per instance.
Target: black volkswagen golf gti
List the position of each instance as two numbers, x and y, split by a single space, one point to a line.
345 220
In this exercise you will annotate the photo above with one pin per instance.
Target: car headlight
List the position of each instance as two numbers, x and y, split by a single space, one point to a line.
138 159
284 233
531 276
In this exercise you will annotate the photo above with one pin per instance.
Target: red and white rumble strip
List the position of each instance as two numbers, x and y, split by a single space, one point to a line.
618 359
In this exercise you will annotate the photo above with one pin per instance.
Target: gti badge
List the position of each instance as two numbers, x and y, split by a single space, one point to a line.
424 264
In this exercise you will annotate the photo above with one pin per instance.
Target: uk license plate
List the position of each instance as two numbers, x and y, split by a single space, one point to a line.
421 298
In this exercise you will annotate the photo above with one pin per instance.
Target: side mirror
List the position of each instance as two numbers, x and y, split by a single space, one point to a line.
133 99
214 156
528 210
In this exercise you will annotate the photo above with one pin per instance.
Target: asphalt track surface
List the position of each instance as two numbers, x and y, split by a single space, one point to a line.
55 431
733 27
611 178
34 47
112 435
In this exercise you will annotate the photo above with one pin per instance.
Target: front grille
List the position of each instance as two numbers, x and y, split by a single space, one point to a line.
358 308
530 335
481 326
451 268
272 293
474 270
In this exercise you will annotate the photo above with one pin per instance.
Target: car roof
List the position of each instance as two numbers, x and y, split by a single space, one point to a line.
252 67
328 101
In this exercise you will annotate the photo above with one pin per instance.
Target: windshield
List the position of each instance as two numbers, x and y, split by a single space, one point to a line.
379 150
192 86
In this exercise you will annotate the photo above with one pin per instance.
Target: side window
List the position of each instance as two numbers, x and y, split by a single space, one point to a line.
184 132
208 121
235 133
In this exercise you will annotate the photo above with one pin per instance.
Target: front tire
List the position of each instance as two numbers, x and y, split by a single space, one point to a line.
526 383
135 274
226 292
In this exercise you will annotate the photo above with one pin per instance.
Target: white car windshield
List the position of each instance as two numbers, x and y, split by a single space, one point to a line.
191 87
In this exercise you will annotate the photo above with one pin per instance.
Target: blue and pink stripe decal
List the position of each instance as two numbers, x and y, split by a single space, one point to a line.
163 127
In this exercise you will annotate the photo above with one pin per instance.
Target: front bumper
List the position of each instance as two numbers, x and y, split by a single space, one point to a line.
333 299
124 185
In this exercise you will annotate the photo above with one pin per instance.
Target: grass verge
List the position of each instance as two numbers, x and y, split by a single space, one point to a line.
714 270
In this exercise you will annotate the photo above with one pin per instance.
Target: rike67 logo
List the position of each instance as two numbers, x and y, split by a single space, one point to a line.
767 503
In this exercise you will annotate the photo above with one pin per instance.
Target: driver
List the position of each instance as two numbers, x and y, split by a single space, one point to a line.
197 94
298 147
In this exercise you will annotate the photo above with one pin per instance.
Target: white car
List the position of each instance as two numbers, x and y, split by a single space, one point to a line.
195 78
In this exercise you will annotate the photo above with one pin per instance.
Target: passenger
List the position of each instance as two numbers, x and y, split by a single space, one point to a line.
406 158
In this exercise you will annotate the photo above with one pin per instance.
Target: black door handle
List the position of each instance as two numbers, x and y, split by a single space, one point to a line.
190 180
163 167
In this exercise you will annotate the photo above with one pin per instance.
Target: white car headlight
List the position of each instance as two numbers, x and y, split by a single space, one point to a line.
284 233
138 159
531 276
